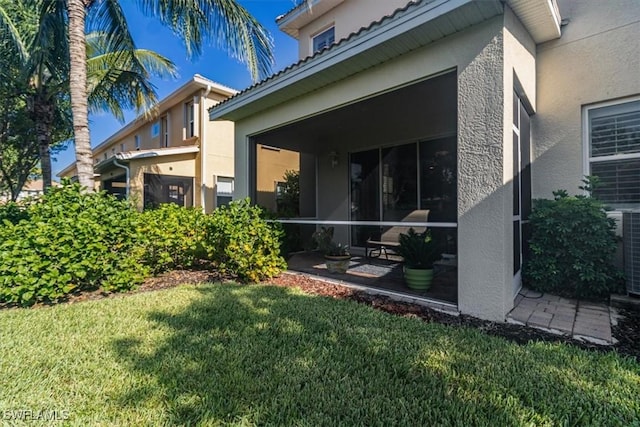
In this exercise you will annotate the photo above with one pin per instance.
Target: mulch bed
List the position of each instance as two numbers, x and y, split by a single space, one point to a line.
627 332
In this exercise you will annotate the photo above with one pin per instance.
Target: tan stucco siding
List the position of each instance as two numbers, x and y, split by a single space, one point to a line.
348 17
178 165
597 59
219 157
272 165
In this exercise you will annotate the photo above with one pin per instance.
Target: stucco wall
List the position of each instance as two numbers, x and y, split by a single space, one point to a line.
178 165
348 17
218 152
596 59
272 165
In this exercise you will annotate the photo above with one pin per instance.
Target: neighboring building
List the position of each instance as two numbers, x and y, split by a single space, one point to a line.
30 189
163 159
467 109
175 156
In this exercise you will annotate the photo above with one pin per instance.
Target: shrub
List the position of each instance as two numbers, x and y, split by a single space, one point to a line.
72 241
172 237
13 212
242 243
572 248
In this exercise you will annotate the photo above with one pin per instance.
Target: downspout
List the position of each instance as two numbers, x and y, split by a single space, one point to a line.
127 171
203 153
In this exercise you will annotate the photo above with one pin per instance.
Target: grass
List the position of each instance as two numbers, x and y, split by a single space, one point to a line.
218 354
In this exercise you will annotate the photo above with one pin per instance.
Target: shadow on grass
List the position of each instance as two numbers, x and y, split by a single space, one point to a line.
267 355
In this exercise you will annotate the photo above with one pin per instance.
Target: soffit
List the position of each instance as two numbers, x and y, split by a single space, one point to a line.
540 17
416 25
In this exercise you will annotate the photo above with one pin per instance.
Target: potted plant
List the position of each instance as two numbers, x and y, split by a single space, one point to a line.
336 255
419 252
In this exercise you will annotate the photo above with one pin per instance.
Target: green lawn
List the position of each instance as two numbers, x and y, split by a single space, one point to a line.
248 355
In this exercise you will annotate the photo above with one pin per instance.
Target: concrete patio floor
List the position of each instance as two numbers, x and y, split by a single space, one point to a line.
583 320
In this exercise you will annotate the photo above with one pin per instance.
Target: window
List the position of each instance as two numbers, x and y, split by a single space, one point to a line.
388 184
167 189
280 186
105 155
189 119
324 39
164 128
137 140
155 129
123 147
613 135
224 190
113 151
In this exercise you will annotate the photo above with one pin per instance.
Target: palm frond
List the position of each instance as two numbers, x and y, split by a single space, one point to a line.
223 23
11 38
119 80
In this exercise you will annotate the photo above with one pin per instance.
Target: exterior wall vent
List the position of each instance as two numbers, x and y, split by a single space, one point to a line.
631 245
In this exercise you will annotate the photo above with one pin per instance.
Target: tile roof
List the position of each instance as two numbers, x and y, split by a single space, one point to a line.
337 45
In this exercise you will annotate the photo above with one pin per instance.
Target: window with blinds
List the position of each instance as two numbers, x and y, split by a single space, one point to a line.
614 152
224 190
324 39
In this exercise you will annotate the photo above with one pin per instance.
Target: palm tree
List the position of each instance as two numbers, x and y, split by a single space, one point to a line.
224 22
34 44
34 31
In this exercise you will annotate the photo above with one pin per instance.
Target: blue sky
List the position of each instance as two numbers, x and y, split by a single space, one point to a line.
214 64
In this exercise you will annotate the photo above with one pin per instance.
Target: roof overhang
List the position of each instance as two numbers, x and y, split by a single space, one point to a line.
416 25
540 17
304 13
67 170
128 156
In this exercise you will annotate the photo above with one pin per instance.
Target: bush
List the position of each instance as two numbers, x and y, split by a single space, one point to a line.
13 212
172 237
72 241
242 243
572 245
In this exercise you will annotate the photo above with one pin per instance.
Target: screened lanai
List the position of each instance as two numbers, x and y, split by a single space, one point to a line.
372 169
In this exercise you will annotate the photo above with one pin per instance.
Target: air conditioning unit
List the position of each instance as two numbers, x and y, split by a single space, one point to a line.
631 247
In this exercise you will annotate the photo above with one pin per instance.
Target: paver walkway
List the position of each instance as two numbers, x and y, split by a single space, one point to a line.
579 319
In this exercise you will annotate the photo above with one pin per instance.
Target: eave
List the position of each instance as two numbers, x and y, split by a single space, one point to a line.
416 25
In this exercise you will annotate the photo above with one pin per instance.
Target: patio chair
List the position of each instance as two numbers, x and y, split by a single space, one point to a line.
390 238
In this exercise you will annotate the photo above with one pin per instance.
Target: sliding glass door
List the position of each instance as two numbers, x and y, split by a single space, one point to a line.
388 184
365 194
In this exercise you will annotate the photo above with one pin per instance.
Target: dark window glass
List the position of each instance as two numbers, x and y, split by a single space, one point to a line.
365 194
525 163
438 179
399 182
516 174
516 247
167 189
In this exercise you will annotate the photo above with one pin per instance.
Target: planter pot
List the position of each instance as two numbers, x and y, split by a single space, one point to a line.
418 279
337 264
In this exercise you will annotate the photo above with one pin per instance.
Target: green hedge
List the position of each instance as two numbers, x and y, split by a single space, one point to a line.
242 243
173 237
72 240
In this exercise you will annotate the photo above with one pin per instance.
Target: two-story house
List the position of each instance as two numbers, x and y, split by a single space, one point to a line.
464 110
176 155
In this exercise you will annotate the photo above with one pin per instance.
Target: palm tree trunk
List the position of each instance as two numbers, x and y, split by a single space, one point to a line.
78 90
